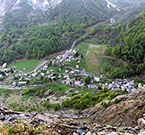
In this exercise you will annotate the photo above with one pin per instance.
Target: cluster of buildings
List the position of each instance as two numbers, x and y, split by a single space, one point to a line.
5 72
67 75
126 85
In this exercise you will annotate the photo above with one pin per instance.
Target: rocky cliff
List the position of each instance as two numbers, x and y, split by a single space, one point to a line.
6 5
122 111
48 124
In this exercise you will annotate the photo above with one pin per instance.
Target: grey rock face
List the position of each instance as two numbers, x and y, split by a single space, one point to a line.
141 123
6 5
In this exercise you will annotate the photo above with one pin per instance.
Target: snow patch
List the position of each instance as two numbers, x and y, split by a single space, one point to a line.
111 4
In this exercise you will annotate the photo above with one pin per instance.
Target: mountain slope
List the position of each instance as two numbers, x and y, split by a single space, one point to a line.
35 29
15 4
129 45
34 33
124 112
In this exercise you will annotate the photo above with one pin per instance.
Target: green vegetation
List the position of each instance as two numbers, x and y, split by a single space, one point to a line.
54 106
22 128
79 98
130 39
28 65
25 32
110 64
125 110
58 88
5 93
34 92
82 49
94 58
105 104
87 101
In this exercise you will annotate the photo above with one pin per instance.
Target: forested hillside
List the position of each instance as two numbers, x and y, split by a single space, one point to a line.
129 45
35 33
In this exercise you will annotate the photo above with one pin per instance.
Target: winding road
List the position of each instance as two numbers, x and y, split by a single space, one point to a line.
21 73
11 87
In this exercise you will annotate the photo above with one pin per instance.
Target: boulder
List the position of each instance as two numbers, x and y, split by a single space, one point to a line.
142 132
141 123
11 119
75 133
113 133
82 132
144 115
119 98
120 114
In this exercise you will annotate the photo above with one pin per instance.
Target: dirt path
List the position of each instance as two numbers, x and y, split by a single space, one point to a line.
120 60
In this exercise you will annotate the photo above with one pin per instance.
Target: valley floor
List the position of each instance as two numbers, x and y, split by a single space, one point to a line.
62 87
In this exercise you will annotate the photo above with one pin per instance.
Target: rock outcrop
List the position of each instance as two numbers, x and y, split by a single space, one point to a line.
6 5
32 123
124 112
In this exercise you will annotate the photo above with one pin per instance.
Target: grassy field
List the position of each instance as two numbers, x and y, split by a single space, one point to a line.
82 49
28 64
94 58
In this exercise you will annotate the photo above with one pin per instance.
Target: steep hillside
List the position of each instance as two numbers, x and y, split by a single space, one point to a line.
35 29
125 3
28 31
129 46
6 5
123 111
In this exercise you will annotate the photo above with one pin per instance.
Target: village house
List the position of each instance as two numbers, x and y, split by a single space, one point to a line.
92 86
79 84
34 74
68 82
42 75
48 72
1 77
125 85
14 83
77 66
49 76
45 68
4 65
59 76
22 83
96 79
